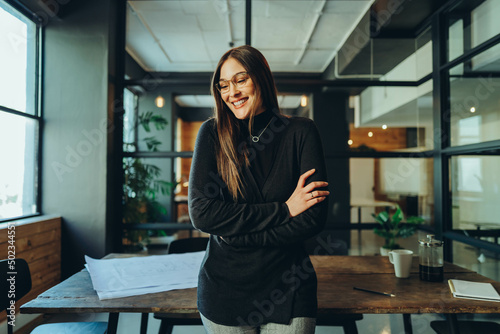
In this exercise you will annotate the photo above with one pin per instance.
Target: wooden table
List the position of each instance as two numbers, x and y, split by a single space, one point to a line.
337 275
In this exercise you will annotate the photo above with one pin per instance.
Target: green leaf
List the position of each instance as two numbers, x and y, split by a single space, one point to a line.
145 119
379 232
152 143
415 220
406 231
382 233
397 217
148 117
159 121
381 217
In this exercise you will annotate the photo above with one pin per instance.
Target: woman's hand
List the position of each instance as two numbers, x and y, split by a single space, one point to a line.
306 196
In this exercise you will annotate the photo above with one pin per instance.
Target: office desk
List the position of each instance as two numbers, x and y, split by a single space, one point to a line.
337 275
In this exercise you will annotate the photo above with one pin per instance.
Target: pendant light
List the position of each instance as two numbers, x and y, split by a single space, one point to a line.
160 101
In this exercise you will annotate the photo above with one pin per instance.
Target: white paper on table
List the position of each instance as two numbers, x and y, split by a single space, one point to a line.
142 291
123 277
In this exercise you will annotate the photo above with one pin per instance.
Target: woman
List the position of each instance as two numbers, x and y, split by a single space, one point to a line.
257 187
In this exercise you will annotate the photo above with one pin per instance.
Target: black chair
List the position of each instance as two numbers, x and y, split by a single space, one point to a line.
186 245
15 283
467 327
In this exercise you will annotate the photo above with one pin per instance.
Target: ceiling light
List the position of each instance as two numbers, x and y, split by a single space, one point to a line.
472 109
160 101
349 142
384 126
303 101
370 134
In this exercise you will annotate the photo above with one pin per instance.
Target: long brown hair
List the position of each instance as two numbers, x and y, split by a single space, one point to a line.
229 160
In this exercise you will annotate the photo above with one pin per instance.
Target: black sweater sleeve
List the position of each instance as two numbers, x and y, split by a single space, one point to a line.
309 222
212 215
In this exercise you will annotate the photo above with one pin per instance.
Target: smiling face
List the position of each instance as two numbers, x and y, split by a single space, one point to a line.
239 100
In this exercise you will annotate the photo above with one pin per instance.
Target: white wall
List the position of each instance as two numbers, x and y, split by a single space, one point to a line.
75 106
362 182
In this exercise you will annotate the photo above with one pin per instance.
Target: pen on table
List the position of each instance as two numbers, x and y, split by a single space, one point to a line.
377 292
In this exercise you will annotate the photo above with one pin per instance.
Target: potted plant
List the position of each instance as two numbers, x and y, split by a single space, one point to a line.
142 185
393 228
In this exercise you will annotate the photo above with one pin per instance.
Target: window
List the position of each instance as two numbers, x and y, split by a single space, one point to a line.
471 116
19 116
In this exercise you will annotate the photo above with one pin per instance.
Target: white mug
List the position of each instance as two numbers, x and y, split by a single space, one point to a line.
402 259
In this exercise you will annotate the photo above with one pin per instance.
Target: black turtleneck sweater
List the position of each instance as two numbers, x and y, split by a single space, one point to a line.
262 153
255 269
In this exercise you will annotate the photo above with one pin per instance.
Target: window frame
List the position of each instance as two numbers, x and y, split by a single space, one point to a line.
445 152
37 107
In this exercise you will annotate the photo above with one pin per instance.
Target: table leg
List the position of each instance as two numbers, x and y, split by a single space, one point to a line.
451 320
407 323
359 230
112 323
144 323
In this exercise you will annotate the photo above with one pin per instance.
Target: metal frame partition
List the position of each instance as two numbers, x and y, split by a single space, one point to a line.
441 153
444 151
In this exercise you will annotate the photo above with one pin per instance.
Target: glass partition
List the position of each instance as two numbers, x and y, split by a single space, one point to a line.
475 195
147 189
147 125
474 110
470 24
394 119
378 184
476 259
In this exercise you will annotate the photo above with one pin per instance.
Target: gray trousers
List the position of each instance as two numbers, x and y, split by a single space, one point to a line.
296 326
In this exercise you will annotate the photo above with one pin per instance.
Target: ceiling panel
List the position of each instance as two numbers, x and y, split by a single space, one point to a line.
327 35
186 47
314 59
290 9
200 101
280 60
139 39
280 32
289 101
170 23
157 5
347 7
190 36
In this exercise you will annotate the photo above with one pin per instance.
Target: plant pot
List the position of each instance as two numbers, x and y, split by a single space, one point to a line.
133 248
161 241
384 251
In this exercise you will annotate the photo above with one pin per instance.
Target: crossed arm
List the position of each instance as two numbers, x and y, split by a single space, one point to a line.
275 223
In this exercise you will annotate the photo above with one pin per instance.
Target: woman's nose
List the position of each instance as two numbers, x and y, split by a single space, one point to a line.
233 90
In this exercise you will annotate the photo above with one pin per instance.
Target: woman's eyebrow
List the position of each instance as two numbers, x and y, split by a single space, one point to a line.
222 79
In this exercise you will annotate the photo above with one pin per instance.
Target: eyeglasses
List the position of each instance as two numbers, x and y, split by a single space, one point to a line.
239 80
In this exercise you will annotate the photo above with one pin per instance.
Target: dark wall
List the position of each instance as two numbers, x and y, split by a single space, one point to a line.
75 101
